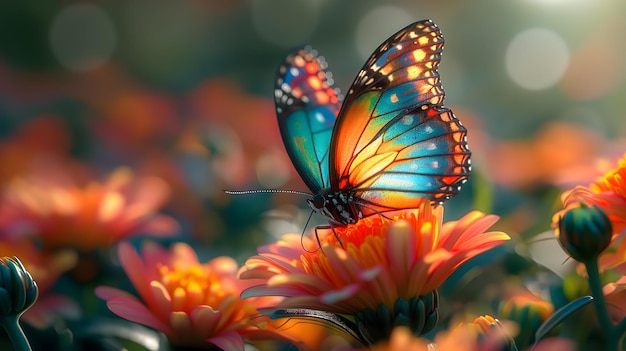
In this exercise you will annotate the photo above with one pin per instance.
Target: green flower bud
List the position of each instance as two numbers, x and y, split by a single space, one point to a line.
529 312
18 291
585 232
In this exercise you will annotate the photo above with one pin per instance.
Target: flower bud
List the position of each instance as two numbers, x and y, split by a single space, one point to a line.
18 290
492 335
527 311
585 232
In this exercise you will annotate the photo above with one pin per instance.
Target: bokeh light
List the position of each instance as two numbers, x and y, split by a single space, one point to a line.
271 169
82 37
536 58
376 25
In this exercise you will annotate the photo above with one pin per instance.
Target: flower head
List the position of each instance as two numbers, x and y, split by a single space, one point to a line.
195 304
485 333
62 214
378 265
585 232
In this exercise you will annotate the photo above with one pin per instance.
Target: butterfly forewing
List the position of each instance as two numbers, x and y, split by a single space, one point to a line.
411 54
307 105
393 141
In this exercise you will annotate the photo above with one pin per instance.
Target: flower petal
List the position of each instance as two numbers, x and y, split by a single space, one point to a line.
160 298
228 341
135 311
336 296
134 267
400 251
205 320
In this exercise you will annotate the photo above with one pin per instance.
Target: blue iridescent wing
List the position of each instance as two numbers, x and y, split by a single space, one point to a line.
307 104
394 142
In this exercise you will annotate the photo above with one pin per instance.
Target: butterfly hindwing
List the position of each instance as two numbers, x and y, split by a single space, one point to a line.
424 154
307 105
393 141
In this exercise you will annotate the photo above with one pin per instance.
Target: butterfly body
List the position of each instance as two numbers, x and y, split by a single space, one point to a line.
388 144
339 206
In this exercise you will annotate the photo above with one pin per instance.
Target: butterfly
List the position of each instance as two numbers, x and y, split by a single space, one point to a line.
384 147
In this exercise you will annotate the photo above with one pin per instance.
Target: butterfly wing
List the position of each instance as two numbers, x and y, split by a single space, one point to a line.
307 104
394 142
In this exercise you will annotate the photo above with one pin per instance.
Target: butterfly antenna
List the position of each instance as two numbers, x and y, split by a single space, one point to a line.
258 191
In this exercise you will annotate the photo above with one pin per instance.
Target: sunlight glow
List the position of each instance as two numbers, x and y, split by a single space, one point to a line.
536 58
82 37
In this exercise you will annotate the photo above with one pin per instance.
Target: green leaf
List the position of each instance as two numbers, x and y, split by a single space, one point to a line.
560 315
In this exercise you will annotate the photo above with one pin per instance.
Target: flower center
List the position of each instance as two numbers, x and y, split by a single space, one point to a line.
191 286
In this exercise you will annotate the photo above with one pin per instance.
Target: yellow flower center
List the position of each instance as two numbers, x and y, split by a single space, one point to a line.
192 286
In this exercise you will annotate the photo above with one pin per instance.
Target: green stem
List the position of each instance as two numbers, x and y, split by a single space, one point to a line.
12 326
610 331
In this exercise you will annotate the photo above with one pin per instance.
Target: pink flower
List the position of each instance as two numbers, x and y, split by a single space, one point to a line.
195 304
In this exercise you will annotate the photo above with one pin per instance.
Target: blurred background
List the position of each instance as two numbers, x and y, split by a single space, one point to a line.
181 91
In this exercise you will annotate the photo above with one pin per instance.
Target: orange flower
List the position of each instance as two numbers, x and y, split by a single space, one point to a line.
380 266
62 214
403 340
485 333
608 193
195 304
559 153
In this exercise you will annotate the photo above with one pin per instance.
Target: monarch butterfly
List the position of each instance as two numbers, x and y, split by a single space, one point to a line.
389 143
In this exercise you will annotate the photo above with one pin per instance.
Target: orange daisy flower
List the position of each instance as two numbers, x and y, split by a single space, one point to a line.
62 214
382 271
195 304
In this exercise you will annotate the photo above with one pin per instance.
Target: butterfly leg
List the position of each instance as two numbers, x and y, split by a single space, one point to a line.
331 227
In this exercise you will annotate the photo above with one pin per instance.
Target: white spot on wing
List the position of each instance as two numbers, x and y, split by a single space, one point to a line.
407 120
